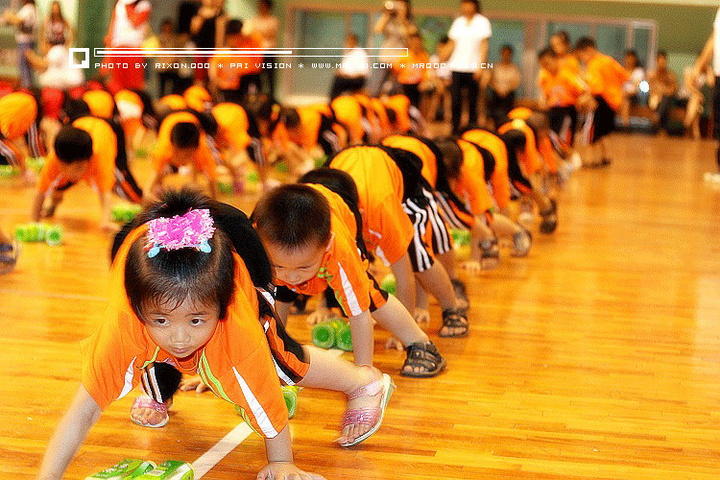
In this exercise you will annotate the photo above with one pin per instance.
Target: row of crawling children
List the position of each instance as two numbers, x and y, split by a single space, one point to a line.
201 290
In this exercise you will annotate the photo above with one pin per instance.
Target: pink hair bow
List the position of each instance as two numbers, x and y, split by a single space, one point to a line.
192 230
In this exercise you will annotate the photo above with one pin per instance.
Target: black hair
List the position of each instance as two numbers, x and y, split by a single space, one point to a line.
547 52
168 21
73 144
267 3
661 53
174 276
185 135
452 156
507 47
290 117
293 216
73 108
585 42
234 27
342 184
444 39
478 5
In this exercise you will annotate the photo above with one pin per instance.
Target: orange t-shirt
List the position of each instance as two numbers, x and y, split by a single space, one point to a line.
174 102
530 158
342 267
560 90
401 105
413 145
198 98
348 112
499 180
412 73
387 229
605 77
18 111
470 186
233 125
101 171
163 152
101 103
570 63
236 363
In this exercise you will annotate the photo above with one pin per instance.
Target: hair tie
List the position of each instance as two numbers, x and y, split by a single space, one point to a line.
192 230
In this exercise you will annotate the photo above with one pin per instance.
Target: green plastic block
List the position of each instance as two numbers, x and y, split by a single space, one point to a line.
8 171
461 238
53 236
290 393
253 177
282 166
170 470
389 284
343 335
226 188
125 213
128 468
36 163
323 335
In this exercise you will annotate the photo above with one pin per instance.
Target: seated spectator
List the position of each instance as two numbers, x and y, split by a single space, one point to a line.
504 81
631 88
663 89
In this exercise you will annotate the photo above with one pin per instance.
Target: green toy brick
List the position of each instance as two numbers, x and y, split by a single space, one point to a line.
53 236
8 171
290 393
389 284
323 335
170 470
128 468
343 335
461 238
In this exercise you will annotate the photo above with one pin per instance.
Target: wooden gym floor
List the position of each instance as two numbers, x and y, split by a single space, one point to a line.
596 357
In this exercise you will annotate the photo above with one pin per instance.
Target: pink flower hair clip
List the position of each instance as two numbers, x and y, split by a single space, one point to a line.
192 230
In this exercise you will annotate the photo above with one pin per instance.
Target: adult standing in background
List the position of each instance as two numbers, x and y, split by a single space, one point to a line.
207 28
26 22
504 82
267 26
55 30
467 53
712 51
129 25
396 24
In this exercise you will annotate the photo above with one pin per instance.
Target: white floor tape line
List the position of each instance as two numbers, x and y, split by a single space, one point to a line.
228 443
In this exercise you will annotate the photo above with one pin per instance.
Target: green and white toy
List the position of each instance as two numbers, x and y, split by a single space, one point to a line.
128 468
170 470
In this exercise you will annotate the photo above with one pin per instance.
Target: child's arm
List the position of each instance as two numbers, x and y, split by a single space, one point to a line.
69 435
280 460
106 216
283 310
36 212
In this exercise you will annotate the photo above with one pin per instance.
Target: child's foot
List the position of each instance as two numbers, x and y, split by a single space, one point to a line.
549 218
49 211
422 315
423 360
366 407
522 241
455 323
489 254
146 412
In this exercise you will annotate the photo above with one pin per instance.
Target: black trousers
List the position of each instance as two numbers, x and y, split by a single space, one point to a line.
463 82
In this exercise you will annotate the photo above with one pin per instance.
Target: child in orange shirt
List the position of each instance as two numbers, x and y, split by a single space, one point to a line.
396 226
182 141
310 234
19 130
561 89
412 72
183 298
605 78
89 149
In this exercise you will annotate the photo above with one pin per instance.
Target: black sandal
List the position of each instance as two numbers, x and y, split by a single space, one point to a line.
455 318
461 292
423 355
549 218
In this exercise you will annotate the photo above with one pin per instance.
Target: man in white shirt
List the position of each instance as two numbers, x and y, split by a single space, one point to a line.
129 26
712 49
467 53
268 26
354 69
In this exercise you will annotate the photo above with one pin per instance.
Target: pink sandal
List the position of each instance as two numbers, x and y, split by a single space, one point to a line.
369 415
145 401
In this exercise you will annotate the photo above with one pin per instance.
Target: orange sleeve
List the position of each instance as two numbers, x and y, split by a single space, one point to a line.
161 155
49 173
204 160
105 149
346 274
395 228
111 359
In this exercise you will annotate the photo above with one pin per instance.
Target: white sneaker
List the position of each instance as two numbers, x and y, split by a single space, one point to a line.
526 219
